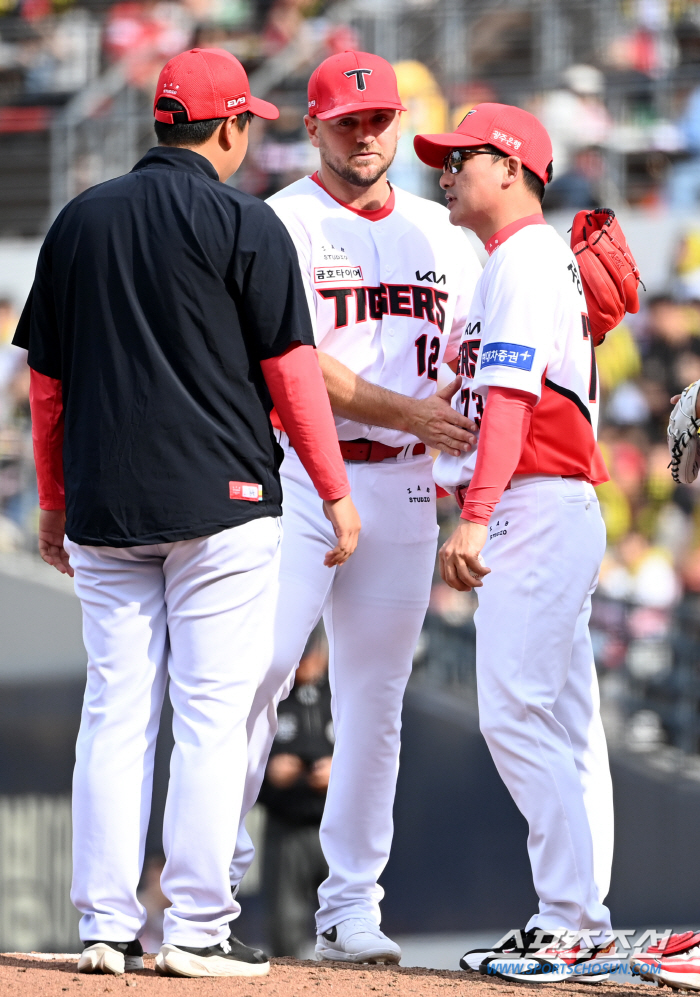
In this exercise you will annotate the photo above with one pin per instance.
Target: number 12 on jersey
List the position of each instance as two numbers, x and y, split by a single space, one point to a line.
431 358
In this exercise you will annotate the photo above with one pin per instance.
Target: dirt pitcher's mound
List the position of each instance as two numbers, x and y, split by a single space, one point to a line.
27 976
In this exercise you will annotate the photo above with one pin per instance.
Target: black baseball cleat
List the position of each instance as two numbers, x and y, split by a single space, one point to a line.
111 957
535 957
519 943
230 958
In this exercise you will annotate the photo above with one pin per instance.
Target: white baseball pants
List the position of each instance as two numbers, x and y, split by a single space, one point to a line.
538 690
373 608
200 612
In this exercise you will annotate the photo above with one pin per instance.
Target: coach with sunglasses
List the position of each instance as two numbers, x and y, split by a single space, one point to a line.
531 537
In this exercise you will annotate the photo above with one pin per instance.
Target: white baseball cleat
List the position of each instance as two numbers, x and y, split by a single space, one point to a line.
230 958
115 958
358 939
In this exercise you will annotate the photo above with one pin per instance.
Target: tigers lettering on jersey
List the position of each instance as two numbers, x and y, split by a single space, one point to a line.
389 291
409 300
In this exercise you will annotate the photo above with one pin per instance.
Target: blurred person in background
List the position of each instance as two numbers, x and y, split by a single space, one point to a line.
671 353
8 321
18 492
686 267
639 572
9 358
283 23
293 794
142 34
426 111
683 185
575 115
579 187
619 367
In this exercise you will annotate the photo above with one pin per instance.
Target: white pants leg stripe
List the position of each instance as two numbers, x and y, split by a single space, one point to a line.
199 610
538 692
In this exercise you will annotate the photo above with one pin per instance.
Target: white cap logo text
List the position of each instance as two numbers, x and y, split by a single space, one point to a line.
505 139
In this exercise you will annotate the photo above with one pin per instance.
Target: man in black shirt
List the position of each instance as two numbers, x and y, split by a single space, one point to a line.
167 308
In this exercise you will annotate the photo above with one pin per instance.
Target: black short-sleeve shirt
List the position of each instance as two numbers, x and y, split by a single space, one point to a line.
156 296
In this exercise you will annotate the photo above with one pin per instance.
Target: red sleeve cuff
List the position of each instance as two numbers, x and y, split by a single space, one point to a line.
504 428
46 404
302 406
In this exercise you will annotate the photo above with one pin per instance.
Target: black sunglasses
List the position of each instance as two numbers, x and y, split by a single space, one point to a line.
456 158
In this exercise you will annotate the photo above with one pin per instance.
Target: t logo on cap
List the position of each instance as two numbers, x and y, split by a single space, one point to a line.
339 85
359 75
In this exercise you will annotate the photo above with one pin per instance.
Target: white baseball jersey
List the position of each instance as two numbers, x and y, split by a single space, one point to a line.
389 290
528 329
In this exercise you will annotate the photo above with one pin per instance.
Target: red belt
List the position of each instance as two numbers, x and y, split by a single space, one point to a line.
372 451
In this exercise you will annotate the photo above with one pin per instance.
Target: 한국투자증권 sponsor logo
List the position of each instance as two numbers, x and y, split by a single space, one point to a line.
507 355
324 274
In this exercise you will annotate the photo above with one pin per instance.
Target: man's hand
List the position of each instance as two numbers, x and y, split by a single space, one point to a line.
52 524
460 561
435 422
345 521
432 420
677 398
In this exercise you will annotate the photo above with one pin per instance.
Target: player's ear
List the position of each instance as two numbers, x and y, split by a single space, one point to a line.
512 169
226 137
312 129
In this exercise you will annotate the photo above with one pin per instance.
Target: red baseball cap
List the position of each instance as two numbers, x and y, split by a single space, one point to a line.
352 81
509 129
209 83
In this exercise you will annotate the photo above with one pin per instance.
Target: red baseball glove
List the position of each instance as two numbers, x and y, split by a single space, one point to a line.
609 273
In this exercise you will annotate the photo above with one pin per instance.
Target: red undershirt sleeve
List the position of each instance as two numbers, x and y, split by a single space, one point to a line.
46 404
299 394
504 428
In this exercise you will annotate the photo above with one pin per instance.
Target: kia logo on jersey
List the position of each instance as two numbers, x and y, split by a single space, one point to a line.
431 276
359 75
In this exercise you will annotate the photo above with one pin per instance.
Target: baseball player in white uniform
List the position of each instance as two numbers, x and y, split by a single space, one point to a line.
389 284
531 537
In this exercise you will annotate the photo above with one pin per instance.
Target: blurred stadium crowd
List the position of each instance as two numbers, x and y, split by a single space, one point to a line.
616 82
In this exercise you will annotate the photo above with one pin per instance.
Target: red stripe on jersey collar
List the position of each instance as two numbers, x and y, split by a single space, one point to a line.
371 216
508 230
